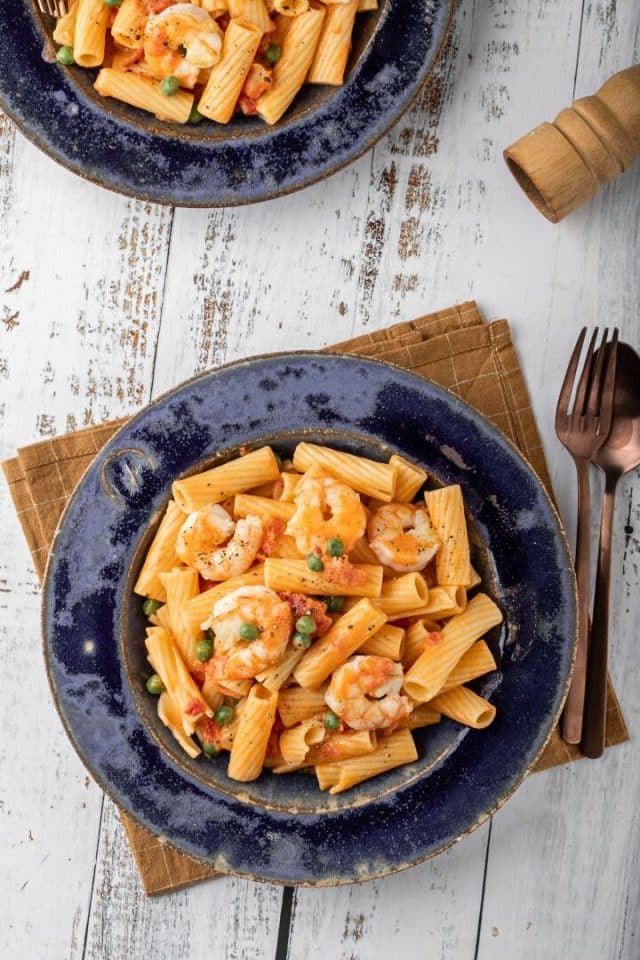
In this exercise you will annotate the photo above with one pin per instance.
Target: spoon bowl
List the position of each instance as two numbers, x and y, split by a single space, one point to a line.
620 452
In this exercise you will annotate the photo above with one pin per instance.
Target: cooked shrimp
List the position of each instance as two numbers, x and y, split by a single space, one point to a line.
250 612
365 693
215 545
180 41
401 536
326 508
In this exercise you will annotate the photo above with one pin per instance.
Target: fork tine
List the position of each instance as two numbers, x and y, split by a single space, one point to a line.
562 408
584 383
595 391
608 388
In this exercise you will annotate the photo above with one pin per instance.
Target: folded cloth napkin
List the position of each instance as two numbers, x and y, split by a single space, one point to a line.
454 347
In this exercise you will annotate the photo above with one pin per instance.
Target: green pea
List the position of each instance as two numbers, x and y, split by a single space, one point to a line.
204 650
278 459
113 3
273 53
195 116
211 636
330 720
249 631
306 624
301 641
315 563
155 685
169 86
65 56
335 547
149 607
211 749
335 604
224 715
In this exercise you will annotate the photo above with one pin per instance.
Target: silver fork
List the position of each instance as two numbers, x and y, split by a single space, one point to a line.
583 429
54 8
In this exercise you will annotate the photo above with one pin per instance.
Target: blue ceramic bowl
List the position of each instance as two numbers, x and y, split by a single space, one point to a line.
284 829
209 165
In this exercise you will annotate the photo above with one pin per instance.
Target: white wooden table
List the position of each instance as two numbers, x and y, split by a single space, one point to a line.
120 300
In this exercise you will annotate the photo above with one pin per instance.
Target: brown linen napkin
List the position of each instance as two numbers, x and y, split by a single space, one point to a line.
454 347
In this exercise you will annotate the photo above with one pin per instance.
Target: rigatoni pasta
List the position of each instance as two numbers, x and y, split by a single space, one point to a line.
271 644
210 59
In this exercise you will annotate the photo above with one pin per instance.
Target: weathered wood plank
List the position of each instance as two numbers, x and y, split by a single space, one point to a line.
570 837
430 910
80 272
227 918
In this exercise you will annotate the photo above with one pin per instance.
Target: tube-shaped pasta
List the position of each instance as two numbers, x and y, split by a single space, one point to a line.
443 602
334 45
161 555
66 26
144 93
130 21
295 742
284 547
347 634
419 637
220 483
211 693
446 509
254 729
90 32
402 594
169 713
475 579
465 706
181 585
388 641
295 704
295 576
477 661
218 100
339 746
254 11
366 476
409 479
286 486
165 659
366 5
424 715
288 8
244 505
291 69
362 553
275 677
343 746
428 674
390 752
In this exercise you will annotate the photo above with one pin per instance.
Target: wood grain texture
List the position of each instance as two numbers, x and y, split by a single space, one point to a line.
222 918
105 302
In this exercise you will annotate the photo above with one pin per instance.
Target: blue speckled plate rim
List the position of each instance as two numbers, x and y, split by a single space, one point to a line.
413 381
34 131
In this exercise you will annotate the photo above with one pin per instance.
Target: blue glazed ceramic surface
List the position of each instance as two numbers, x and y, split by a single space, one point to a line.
284 829
209 165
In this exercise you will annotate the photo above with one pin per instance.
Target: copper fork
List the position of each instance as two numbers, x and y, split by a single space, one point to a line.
582 429
54 8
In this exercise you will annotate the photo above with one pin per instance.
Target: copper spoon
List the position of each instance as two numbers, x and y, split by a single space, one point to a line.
619 454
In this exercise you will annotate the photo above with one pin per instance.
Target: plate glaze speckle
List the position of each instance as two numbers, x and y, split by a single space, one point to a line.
283 829
127 150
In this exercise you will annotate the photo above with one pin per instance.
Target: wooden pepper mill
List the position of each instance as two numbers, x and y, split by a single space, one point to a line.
560 165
